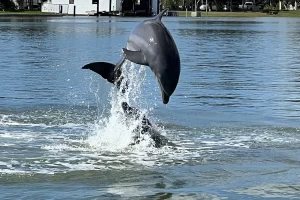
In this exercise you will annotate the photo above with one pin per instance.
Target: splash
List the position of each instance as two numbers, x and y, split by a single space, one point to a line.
115 132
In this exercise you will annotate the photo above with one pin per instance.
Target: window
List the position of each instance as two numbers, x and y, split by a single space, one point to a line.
71 1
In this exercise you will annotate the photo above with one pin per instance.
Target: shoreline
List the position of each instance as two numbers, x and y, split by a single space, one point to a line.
28 14
282 13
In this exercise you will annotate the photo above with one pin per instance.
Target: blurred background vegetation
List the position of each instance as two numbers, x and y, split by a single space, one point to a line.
183 5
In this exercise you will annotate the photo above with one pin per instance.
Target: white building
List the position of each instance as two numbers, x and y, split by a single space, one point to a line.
81 7
85 7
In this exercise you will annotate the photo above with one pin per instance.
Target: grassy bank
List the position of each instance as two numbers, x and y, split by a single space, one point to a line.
295 13
25 13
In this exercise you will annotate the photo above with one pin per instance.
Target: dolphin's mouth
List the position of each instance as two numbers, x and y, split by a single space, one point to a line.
165 97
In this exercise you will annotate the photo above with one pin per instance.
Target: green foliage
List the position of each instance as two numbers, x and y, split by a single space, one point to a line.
219 4
20 2
7 5
172 4
268 7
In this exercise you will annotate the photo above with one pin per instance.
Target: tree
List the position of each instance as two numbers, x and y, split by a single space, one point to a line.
8 4
21 4
220 4
172 4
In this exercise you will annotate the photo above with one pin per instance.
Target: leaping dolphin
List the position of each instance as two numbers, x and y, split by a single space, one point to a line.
151 44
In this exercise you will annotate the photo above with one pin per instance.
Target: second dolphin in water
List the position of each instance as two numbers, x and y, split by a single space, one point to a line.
151 44
144 127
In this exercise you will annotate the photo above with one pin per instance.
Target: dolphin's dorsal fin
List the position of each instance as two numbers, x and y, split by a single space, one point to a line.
159 16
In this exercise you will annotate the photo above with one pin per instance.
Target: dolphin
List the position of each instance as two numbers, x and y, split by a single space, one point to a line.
151 44
145 127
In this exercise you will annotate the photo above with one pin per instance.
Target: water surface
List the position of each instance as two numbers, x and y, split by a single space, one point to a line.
234 115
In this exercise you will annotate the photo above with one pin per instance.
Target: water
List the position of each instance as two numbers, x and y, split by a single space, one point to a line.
234 115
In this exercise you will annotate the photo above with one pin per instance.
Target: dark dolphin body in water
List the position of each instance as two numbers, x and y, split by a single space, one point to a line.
151 44
145 127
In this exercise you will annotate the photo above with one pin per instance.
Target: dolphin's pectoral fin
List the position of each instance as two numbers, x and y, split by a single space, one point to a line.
106 70
135 56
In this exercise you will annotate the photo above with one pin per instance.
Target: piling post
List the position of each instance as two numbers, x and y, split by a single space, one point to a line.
279 5
206 7
97 8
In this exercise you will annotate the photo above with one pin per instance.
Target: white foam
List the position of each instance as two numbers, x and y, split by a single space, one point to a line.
18 135
66 147
8 120
115 133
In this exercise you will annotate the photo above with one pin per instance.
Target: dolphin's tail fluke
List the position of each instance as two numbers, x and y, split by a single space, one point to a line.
159 16
106 70
111 72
